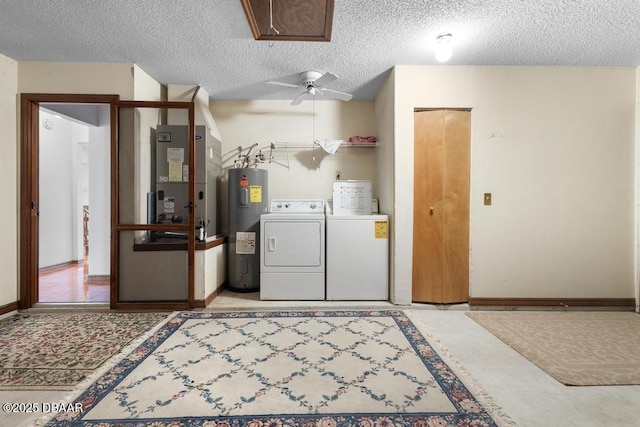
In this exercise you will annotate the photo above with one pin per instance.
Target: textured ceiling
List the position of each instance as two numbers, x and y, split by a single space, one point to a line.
209 42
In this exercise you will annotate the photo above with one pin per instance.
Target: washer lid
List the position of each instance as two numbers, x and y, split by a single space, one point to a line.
372 217
293 216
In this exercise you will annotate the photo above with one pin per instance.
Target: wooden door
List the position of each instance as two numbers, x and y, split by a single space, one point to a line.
441 206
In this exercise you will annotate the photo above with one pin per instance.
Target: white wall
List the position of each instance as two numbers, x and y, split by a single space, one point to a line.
9 178
556 147
57 189
210 268
311 171
637 180
80 153
385 166
80 186
100 194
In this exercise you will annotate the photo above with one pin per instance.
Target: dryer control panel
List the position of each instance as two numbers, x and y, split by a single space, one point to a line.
296 206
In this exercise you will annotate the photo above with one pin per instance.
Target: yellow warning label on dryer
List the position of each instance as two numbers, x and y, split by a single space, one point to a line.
255 194
382 229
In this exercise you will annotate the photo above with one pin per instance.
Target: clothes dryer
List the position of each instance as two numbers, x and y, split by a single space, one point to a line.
292 251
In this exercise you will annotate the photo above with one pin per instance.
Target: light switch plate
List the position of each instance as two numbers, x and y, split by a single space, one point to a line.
487 199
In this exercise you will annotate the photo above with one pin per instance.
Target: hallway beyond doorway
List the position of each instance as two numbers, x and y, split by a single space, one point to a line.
70 283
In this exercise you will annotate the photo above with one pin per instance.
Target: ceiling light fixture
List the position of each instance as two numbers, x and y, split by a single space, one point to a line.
444 51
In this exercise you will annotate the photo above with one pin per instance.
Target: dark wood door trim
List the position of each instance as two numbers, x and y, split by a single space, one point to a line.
29 173
116 226
28 194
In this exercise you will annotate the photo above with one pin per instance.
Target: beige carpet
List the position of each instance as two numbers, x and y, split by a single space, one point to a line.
576 348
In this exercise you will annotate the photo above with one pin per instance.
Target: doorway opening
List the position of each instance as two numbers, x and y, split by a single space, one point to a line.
74 203
52 217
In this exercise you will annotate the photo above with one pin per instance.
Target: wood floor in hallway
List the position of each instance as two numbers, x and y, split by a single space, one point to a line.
70 282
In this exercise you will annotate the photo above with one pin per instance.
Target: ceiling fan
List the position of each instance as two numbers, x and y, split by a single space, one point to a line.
313 83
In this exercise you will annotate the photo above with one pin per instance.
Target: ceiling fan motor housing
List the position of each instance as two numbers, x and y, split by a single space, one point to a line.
308 77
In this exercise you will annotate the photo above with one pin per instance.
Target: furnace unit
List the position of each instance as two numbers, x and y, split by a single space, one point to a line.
172 176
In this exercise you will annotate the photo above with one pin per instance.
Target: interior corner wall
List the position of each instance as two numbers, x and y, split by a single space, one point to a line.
385 166
637 180
9 178
145 87
556 148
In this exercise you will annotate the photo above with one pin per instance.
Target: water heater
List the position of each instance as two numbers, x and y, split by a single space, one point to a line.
247 201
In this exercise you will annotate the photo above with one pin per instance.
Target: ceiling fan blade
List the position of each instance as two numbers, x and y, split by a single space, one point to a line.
271 82
301 97
325 79
338 95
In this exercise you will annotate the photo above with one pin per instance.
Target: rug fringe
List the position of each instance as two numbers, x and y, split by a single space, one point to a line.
499 416
109 364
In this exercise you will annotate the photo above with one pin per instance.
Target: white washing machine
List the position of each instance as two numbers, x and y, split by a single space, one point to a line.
292 251
357 257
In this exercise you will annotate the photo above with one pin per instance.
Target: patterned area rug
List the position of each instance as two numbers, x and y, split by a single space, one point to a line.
58 350
340 368
576 348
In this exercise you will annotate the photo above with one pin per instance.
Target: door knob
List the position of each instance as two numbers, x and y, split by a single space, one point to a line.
431 210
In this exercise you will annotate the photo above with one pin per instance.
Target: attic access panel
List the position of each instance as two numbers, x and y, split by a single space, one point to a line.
295 20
